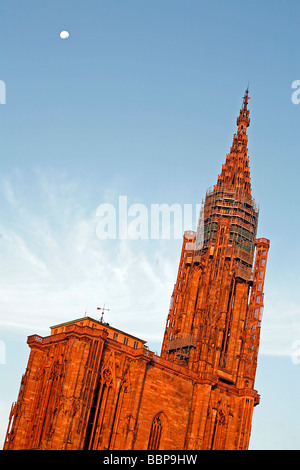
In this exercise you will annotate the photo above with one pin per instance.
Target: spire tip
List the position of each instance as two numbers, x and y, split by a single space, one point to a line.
246 97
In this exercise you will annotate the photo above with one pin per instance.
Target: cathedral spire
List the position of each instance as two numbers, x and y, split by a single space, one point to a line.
235 174
243 119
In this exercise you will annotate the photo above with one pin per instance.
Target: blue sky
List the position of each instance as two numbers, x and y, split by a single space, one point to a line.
141 100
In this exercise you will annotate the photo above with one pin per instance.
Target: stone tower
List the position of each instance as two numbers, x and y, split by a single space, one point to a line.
91 386
216 308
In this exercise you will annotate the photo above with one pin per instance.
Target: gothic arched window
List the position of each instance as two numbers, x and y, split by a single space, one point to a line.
155 433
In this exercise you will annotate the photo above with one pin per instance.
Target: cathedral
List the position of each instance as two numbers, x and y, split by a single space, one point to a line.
91 386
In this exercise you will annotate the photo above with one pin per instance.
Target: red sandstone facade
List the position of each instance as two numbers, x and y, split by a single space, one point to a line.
91 386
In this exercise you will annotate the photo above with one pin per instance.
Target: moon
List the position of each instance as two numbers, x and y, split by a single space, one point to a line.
64 34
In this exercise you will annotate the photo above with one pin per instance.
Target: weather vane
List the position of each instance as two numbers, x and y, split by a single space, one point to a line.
102 309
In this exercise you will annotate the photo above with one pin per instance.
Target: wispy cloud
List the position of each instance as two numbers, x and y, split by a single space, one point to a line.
54 268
